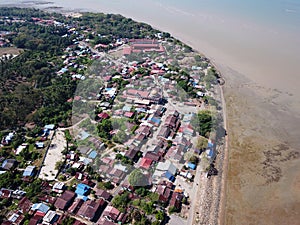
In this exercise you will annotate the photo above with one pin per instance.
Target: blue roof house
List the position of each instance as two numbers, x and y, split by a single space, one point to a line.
41 207
50 127
169 176
210 144
29 171
83 135
191 165
39 144
155 121
82 189
92 154
210 154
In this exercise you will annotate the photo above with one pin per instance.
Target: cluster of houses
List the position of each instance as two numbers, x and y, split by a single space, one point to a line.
52 210
157 138
4 41
10 164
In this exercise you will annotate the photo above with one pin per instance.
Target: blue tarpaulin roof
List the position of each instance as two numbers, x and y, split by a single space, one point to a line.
93 154
84 198
82 189
155 120
170 176
191 165
210 145
210 153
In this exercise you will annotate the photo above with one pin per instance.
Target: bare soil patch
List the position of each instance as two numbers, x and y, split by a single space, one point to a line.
10 51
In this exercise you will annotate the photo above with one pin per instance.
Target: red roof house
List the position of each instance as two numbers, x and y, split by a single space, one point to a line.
75 206
103 115
146 163
111 213
129 114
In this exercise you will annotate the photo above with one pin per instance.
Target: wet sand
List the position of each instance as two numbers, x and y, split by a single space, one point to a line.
263 177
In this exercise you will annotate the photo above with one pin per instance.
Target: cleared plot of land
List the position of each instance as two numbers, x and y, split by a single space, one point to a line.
10 51
48 171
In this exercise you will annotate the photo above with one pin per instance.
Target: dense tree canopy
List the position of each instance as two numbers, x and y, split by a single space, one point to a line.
137 178
203 122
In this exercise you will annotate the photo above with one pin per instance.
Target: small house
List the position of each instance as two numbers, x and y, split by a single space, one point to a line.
9 164
65 200
91 209
29 171
82 189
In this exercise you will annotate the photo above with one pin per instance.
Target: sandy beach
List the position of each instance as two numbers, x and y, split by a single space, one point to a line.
259 181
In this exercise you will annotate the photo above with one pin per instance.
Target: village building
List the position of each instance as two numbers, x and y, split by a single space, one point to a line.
145 163
91 209
50 217
132 153
65 200
164 189
73 209
103 194
24 205
9 164
29 171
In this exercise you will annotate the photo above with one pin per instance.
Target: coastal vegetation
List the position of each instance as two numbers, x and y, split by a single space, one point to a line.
204 122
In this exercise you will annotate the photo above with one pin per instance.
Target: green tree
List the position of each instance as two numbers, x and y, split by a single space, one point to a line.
160 215
141 191
201 143
121 201
59 164
197 58
108 185
137 178
203 122
68 221
120 137
156 222
33 189
104 127
172 209
148 207
210 77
